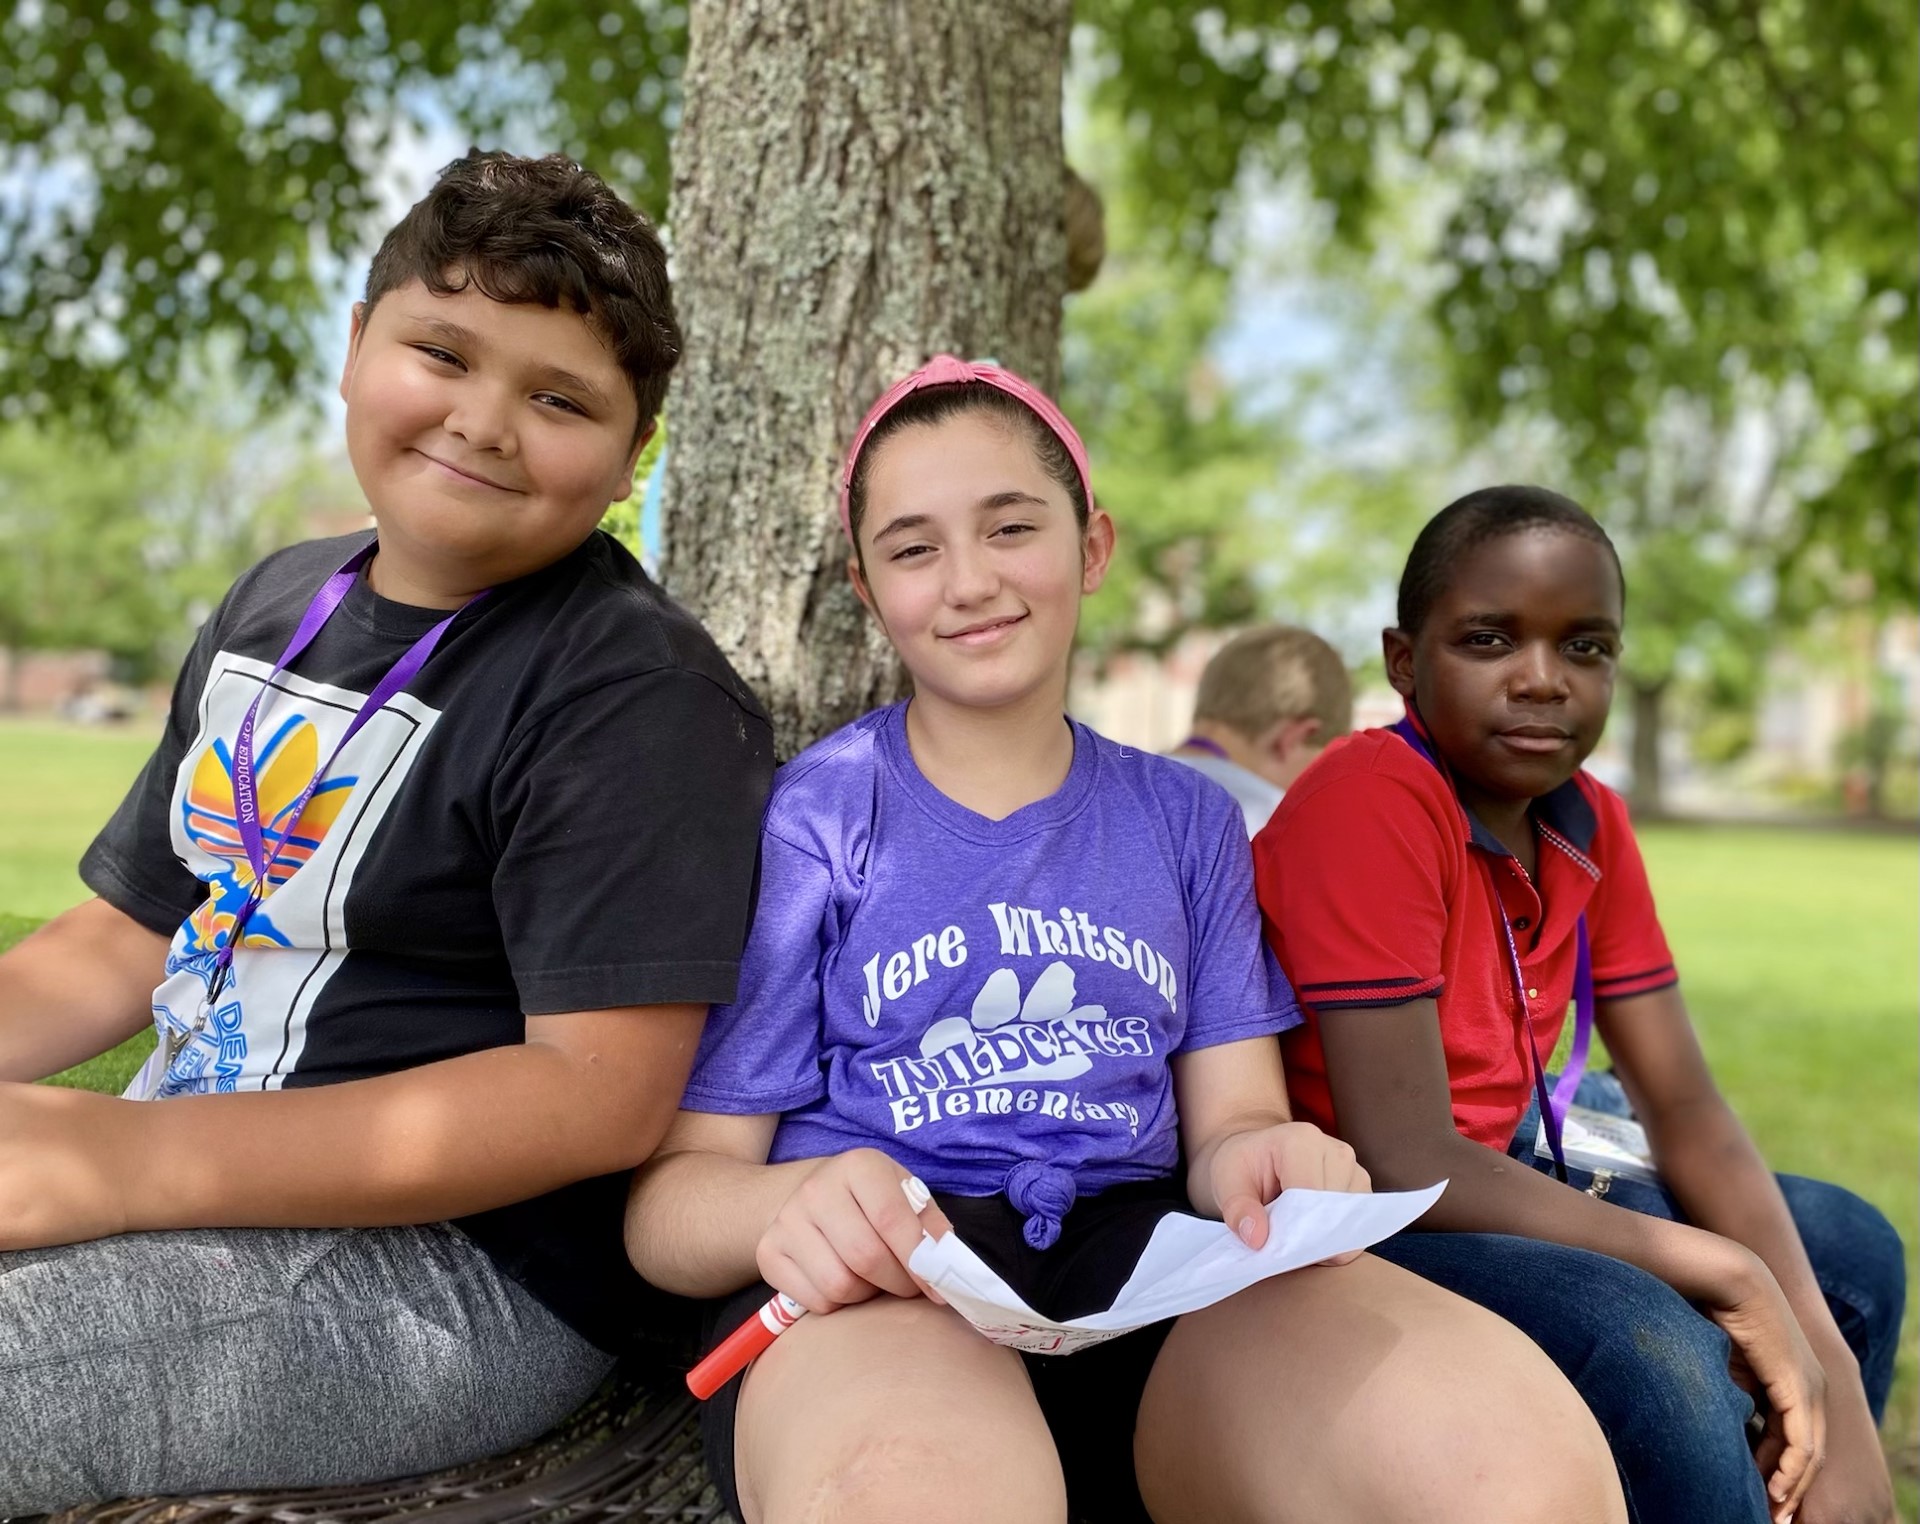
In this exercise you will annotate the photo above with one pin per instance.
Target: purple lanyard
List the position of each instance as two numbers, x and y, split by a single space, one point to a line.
1201 743
246 798
1553 1107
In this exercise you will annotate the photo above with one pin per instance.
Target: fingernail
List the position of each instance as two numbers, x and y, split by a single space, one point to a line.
1245 1230
917 1193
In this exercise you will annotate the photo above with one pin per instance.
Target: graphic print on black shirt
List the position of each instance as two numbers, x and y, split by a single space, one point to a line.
294 943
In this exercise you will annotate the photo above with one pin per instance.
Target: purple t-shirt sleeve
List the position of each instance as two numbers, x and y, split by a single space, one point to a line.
1238 990
761 1055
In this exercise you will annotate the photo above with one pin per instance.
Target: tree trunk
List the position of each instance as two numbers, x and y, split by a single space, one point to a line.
1648 796
857 185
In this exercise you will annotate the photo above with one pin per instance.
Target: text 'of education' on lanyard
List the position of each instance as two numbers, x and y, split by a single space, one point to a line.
246 799
1553 1107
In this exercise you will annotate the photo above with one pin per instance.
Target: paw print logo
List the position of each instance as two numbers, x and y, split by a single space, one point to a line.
999 1013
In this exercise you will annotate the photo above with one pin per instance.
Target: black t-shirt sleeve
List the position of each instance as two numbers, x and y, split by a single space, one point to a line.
629 823
132 864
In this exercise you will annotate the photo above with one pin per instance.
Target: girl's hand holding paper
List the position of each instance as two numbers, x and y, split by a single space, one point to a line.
1248 1170
1189 1263
847 1231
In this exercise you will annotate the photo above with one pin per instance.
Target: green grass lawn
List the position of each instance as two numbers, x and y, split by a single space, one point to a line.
1796 948
61 784
1799 962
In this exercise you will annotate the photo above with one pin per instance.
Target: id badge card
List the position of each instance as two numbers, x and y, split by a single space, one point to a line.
173 1042
1598 1140
145 1085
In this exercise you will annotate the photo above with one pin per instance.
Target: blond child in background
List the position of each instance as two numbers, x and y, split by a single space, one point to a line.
1269 702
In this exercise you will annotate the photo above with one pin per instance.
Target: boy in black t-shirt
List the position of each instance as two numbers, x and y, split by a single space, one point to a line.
447 847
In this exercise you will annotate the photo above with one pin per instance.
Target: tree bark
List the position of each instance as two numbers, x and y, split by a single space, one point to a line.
1648 795
857 185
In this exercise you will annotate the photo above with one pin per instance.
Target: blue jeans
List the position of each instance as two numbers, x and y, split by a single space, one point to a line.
1651 1367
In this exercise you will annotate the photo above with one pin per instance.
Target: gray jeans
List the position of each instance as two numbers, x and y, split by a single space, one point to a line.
161 1363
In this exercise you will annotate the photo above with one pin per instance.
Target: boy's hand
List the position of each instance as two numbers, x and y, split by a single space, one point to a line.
1249 1169
1853 1487
58 1183
847 1231
1773 1353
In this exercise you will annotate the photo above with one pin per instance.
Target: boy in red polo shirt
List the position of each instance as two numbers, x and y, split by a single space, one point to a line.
1438 892
1588 863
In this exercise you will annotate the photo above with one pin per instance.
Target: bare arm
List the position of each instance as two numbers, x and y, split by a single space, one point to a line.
1233 1088
1716 1172
709 1215
699 1206
74 988
1706 1157
587 1093
1387 1070
1388 1074
1242 1145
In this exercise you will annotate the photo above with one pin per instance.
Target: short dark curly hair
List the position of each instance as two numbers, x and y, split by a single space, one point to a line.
548 231
1463 525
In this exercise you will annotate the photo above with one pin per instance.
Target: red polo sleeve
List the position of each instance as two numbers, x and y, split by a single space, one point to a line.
1630 954
1352 873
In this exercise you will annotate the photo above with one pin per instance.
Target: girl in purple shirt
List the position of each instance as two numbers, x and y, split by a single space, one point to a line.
1002 955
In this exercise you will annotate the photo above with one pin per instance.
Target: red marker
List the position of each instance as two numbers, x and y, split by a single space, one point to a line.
744 1345
755 1337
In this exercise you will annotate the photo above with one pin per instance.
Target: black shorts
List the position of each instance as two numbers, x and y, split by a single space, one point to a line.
1089 1399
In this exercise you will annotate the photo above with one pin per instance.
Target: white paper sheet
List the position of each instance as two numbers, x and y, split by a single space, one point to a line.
1189 1263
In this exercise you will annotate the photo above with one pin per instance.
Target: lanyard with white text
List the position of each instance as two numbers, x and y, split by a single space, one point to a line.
1553 1107
246 799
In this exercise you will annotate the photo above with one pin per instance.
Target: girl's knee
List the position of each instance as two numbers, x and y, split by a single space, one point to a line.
1400 1402
1528 1481
1557 1470
880 1477
1535 1454
1483 1425
893 1410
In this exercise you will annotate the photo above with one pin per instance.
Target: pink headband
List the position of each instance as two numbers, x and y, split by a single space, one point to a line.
944 370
